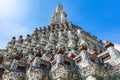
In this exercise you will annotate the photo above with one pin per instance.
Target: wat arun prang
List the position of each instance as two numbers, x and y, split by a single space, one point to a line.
60 51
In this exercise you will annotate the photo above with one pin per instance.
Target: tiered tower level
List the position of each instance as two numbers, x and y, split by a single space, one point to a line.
60 51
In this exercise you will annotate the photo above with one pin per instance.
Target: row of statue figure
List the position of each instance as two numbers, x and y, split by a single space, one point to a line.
68 39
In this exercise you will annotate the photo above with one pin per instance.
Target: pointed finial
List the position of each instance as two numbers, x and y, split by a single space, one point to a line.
59 16
59 8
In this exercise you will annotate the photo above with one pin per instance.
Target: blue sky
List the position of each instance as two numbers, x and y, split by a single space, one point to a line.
99 17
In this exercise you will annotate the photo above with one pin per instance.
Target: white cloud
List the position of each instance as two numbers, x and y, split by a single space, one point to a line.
12 12
7 7
12 8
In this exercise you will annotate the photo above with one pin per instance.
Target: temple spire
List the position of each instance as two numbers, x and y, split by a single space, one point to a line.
59 16
59 8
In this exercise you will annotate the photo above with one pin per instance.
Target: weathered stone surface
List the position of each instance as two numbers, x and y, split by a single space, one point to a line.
61 51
